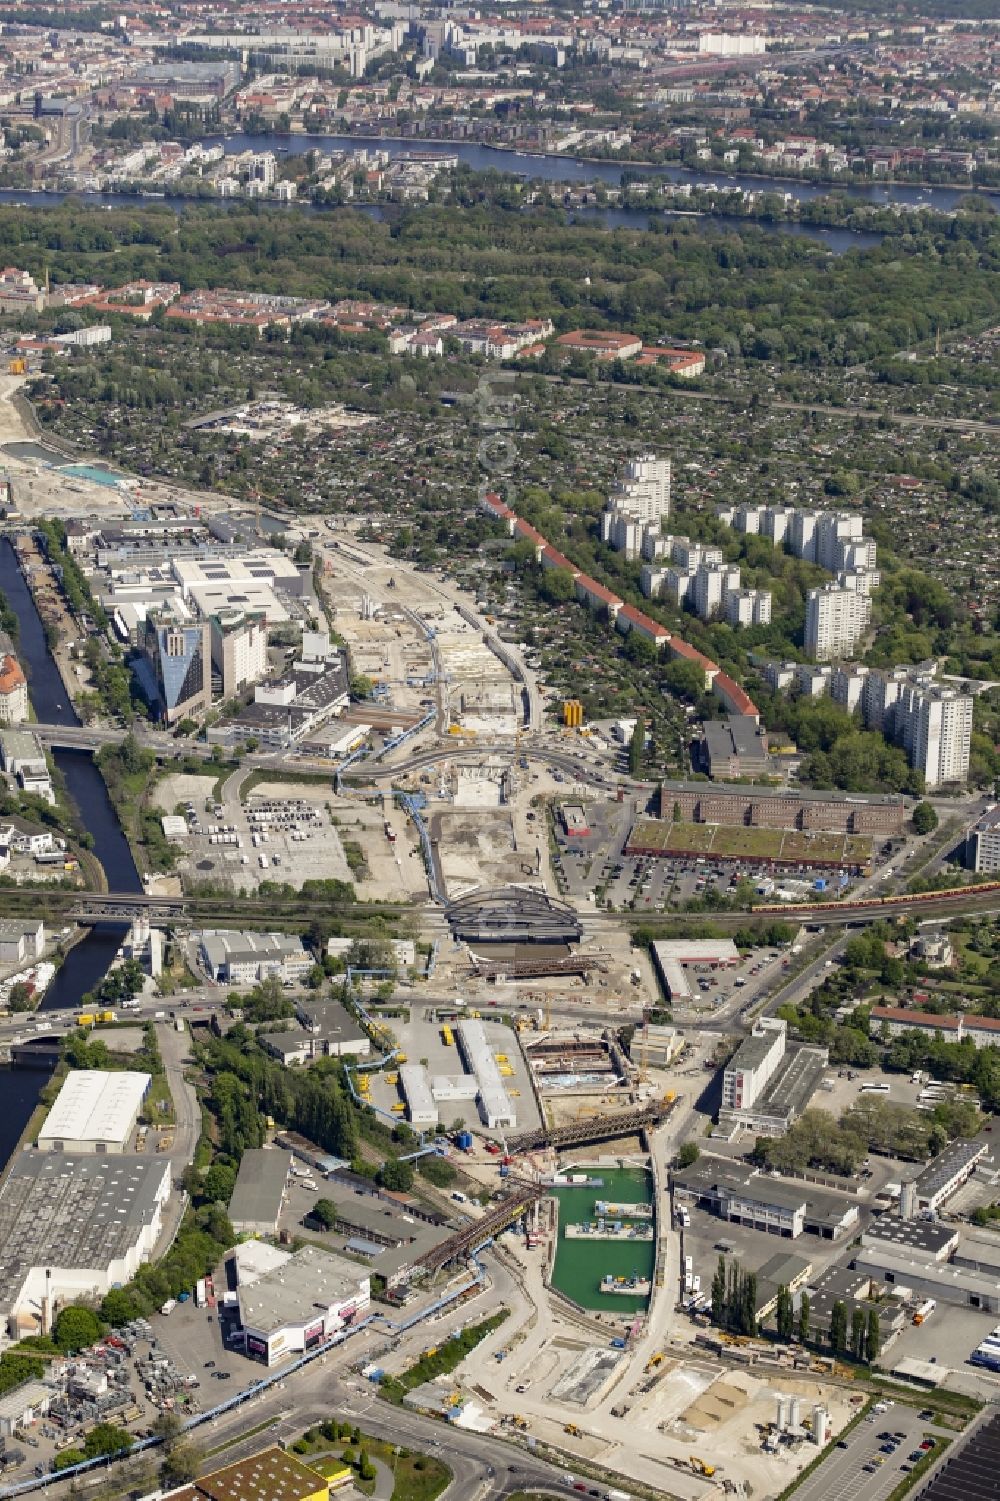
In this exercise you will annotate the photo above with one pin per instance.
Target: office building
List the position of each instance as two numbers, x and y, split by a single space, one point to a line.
934 723
177 659
753 1064
735 747
95 1111
982 845
836 620
239 650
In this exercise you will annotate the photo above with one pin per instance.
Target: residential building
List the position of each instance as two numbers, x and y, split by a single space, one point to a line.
982 845
934 722
178 662
836 620
747 607
982 1031
19 292
13 692
638 504
848 683
600 344
811 680
710 588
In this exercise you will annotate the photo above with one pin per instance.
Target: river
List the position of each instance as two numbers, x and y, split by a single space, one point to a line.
88 961
577 169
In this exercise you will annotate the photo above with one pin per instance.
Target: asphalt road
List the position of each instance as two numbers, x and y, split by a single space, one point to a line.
842 1473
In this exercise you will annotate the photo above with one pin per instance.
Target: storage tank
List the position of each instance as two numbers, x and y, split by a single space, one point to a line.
782 1414
819 1422
794 1412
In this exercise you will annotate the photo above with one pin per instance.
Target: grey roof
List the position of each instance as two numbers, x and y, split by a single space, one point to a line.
792 1087
295 1292
717 1174
260 1184
330 1019
83 1211
738 735
752 1051
955 1157
929 1237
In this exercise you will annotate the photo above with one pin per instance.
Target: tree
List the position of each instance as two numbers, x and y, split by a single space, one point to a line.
324 1211
362 686
804 1319
925 819
396 1175
366 1470
22 997
181 1463
636 748
838 1327
106 1438
76 1328
218 1183
688 1154
785 1314
873 1337
858 1332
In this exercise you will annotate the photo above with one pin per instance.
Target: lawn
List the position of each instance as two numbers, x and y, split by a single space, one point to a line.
418 1477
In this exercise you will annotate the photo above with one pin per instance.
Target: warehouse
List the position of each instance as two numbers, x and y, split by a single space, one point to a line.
94 1111
945 1174
943 1281
308 1299
495 1108
744 1196
670 956
74 1227
234 958
420 1106
259 1192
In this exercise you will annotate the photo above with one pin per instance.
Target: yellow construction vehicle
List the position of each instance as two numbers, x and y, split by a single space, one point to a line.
571 1429
700 1467
398 1108
654 1361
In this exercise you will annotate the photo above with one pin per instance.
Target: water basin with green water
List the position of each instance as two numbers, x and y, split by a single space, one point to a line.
580 1264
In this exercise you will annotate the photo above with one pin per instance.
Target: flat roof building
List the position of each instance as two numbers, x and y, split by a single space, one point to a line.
74 1226
94 1111
272 1475
736 747
420 1106
946 1173
307 1300
745 1196
259 1192
495 1106
753 1064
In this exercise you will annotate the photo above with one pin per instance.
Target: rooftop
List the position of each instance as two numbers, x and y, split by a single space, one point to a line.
310 1280
83 1211
272 1475
260 1184
95 1105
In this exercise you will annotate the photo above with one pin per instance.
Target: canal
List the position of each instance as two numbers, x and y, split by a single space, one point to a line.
581 1264
88 961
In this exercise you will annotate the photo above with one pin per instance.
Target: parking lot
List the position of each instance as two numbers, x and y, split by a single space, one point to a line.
708 1238
862 1470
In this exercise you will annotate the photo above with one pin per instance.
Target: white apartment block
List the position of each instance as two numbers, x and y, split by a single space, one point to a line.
982 847
935 722
711 586
778 675
747 607
847 686
753 1064
812 681
836 620
638 505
